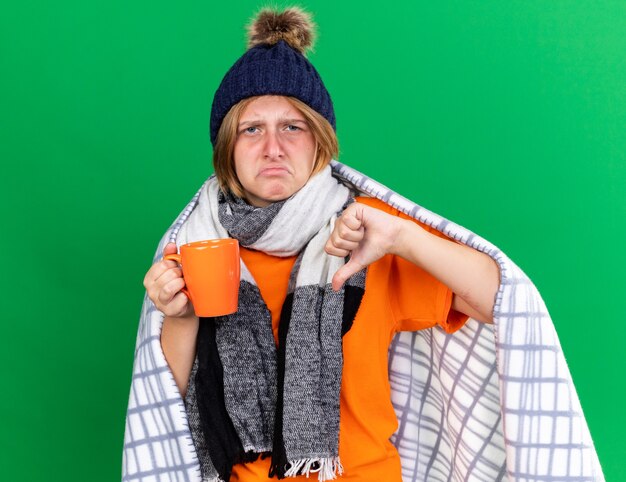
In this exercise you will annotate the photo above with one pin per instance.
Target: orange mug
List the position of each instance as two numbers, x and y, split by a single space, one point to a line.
211 274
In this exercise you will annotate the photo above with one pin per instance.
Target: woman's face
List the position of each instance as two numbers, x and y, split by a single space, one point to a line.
274 150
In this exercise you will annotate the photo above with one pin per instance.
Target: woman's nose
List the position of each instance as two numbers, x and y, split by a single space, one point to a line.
273 146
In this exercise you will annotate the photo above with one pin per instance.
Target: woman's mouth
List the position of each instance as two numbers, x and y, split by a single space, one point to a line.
273 171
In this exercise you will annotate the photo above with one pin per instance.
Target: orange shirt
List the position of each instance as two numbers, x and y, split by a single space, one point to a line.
399 296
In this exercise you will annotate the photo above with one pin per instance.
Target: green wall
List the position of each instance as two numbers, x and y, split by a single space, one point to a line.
506 117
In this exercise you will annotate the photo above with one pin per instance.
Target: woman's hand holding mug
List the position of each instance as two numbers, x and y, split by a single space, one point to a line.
164 283
205 285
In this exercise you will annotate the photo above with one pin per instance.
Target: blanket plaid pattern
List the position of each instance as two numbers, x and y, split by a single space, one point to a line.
487 403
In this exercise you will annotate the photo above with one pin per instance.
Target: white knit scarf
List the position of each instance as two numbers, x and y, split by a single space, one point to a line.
286 400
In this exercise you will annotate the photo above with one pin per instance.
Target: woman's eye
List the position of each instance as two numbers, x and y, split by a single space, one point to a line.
293 128
250 130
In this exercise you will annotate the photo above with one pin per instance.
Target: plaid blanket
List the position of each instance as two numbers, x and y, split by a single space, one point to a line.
487 403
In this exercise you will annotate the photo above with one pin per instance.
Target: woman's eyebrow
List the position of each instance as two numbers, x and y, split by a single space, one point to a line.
293 121
249 122
260 122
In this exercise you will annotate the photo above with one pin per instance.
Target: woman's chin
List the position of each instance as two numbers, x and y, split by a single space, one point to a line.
264 199
277 193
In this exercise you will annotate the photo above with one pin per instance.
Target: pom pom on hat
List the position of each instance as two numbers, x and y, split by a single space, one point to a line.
293 25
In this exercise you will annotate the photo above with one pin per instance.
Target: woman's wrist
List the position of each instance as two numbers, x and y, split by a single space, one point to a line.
407 237
185 320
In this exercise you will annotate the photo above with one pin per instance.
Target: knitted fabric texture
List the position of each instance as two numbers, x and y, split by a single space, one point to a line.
271 69
253 399
487 403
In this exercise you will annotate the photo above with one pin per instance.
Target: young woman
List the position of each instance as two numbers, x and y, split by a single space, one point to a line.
329 277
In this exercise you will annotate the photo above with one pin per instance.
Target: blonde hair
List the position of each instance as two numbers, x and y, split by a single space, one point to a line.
223 158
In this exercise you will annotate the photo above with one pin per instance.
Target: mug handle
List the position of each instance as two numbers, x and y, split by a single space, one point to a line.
176 257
